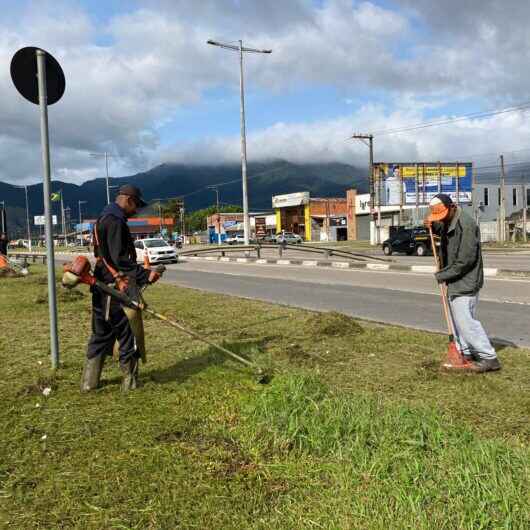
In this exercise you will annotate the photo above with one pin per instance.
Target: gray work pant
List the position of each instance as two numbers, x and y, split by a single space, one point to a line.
470 335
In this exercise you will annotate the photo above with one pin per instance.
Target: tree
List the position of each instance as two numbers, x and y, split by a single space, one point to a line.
196 221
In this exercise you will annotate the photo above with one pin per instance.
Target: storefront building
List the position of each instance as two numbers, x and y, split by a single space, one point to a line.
317 219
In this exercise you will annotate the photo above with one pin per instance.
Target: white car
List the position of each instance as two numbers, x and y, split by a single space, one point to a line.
157 250
235 240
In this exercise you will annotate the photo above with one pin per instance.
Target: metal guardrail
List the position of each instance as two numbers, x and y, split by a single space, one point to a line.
27 256
326 252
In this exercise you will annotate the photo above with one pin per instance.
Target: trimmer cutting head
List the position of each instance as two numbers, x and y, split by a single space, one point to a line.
264 378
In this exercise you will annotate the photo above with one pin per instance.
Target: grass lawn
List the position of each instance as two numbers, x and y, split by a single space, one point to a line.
359 429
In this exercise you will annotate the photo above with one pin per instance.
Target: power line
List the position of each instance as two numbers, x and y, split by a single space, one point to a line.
465 117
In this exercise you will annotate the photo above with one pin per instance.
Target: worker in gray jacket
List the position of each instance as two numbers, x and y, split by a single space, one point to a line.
462 272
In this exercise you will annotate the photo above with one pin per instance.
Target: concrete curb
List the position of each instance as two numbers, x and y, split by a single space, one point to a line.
379 267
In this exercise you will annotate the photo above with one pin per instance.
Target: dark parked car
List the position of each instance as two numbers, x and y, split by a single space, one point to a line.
408 241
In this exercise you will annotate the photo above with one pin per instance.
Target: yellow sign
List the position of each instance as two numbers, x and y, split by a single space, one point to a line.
432 171
412 171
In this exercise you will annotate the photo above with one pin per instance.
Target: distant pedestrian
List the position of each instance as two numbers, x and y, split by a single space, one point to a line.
3 244
462 272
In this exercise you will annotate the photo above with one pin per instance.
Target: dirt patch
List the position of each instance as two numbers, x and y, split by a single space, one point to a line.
225 456
333 325
63 295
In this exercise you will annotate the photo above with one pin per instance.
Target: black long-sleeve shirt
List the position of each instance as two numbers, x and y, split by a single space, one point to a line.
117 247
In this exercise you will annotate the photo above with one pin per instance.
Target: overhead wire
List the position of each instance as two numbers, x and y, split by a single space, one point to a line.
475 115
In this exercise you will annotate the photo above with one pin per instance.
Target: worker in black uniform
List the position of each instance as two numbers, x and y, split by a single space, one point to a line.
115 265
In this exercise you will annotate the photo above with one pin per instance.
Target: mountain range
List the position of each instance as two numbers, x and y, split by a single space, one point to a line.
191 182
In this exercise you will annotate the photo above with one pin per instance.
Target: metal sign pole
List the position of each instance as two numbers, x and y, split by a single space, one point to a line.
52 299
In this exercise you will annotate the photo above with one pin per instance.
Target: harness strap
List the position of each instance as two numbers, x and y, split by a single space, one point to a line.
100 258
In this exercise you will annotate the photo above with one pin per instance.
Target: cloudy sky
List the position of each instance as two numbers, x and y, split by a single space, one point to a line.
143 84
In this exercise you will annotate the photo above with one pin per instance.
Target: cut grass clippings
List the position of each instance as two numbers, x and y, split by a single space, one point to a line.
359 429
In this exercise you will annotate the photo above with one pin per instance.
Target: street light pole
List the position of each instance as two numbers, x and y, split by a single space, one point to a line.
3 203
240 49
79 203
106 155
27 218
62 218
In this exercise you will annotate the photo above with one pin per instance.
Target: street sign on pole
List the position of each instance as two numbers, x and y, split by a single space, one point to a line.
40 79
40 220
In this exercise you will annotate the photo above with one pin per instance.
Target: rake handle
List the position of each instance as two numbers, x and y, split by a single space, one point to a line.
443 287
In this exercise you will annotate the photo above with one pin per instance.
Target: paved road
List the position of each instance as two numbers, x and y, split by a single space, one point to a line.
398 298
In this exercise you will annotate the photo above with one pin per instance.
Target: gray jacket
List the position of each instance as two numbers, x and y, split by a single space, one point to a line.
461 256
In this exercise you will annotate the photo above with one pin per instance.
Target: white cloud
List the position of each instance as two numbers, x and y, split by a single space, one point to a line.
327 141
119 95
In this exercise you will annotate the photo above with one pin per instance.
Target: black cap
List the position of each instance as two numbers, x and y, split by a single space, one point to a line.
444 199
132 191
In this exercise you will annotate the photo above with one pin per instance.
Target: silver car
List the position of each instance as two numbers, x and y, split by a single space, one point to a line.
288 237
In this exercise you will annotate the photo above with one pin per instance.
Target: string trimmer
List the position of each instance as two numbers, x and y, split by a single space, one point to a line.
454 356
79 271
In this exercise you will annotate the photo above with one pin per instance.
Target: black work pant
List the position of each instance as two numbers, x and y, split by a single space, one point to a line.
110 323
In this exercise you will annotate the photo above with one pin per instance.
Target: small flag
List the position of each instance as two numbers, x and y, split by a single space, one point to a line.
54 197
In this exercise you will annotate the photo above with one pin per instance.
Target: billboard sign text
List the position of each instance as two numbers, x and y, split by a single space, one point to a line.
411 183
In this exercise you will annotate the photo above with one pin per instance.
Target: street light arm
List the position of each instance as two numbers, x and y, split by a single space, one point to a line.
236 48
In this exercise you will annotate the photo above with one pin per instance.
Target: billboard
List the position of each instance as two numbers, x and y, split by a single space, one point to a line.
417 183
290 199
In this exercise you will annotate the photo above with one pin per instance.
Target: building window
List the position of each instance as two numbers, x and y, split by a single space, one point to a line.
514 196
486 196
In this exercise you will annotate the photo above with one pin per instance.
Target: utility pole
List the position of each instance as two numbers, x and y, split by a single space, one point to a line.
105 155
375 194
160 216
3 203
79 203
240 49
68 218
525 206
62 218
182 225
27 218
216 189
502 206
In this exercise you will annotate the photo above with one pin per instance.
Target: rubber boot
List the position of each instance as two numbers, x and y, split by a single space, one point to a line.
130 375
92 373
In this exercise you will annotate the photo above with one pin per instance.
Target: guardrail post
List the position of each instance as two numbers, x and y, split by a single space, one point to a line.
223 253
258 252
327 254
